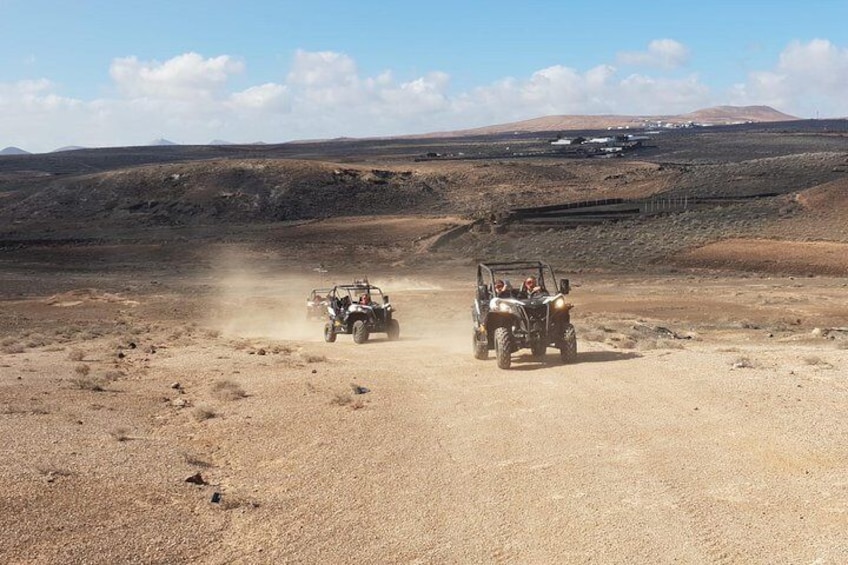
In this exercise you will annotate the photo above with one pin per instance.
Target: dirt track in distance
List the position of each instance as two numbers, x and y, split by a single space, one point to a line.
724 444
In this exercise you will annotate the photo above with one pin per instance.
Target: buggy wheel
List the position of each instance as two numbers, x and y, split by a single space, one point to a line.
538 349
481 348
393 331
503 347
329 333
360 332
568 347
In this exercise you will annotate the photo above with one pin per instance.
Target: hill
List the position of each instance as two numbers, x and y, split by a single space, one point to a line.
13 151
719 115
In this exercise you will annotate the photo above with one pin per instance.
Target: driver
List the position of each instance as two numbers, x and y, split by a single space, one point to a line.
503 289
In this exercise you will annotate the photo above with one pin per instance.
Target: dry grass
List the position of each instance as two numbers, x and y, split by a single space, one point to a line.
195 461
816 361
313 358
743 362
228 390
113 375
76 355
202 413
13 349
52 472
88 382
346 399
120 434
18 409
341 399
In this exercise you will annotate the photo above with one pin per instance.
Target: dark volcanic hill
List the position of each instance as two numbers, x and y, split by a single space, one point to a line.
757 179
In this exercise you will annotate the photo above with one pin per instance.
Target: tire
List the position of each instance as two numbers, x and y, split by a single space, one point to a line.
393 331
360 332
481 348
329 333
568 347
538 349
503 347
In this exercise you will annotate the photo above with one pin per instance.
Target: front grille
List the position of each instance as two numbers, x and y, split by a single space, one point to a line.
536 316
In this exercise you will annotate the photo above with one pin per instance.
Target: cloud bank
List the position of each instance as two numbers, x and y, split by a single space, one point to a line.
324 95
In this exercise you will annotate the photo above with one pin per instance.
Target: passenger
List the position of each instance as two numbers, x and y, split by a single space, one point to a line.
365 299
532 289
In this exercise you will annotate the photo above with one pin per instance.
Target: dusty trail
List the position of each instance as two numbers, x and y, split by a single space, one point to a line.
725 448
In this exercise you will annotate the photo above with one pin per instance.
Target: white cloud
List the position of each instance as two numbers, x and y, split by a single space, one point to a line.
662 53
322 69
185 77
269 96
809 78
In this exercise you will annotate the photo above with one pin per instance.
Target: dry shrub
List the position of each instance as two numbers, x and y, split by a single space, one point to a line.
312 358
285 349
743 363
202 413
661 344
37 340
51 472
592 334
18 409
7 341
195 461
76 355
113 375
212 334
228 390
12 349
816 361
346 399
341 399
82 370
120 434
87 382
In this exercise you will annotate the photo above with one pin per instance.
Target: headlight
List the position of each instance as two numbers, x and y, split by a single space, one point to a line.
559 303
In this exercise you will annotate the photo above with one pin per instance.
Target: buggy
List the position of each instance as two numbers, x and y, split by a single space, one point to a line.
316 303
507 319
359 309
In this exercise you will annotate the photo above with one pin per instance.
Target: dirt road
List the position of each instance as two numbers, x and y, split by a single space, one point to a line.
710 429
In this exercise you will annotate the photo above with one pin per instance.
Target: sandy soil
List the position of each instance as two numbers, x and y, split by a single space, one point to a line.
704 421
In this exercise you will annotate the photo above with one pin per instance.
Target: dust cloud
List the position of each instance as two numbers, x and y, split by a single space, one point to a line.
256 299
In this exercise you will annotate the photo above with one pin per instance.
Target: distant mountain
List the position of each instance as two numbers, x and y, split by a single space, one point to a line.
68 148
14 151
719 115
162 141
220 142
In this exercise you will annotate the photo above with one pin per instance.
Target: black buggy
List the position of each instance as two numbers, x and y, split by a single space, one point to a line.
534 313
316 303
359 309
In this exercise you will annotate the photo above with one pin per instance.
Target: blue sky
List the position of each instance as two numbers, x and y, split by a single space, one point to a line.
98 73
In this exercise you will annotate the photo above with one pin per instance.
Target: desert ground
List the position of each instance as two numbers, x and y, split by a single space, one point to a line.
163 398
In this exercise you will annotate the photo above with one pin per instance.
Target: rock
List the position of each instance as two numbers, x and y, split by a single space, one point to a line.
196 479
358 389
